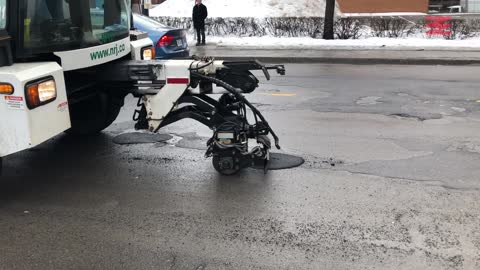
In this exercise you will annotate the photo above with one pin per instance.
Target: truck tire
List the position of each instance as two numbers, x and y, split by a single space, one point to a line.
91 116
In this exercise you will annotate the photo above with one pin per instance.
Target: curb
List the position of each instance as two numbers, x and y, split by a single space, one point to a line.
353 48
339 56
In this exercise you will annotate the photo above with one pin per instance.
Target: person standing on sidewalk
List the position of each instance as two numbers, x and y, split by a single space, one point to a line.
200 13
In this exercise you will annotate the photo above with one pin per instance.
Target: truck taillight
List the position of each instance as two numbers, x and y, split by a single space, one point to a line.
165 41
40 92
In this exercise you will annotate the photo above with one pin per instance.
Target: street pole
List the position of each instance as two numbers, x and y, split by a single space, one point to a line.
329 19
145 10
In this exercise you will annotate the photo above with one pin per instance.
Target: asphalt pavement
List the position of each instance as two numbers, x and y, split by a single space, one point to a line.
390 182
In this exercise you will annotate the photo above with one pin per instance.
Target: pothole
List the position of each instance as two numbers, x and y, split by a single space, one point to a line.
408 116
280 161
458 109
323 163
419 116
470 147
149 160
368 101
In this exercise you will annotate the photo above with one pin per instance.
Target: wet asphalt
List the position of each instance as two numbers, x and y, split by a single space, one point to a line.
390 181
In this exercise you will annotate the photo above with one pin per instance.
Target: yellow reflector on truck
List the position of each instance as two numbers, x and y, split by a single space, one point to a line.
6 89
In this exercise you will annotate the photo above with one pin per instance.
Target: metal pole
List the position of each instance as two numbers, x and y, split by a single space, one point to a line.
145 11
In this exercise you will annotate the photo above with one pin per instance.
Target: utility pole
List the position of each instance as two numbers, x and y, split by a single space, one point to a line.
146 8
329 19
146 5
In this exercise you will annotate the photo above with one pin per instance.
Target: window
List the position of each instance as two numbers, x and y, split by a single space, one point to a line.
58 25
3 14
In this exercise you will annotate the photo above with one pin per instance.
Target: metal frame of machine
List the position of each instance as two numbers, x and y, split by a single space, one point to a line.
39 96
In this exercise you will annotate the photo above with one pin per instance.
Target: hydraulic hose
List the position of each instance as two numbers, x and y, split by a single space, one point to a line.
240 97
200 67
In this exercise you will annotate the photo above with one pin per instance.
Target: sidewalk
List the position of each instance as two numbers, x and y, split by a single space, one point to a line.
399 55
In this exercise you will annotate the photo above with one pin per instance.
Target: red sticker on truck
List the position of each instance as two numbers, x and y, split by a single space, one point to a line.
14 103
178 81
62 106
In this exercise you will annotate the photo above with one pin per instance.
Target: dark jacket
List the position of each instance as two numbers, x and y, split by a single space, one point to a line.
200 13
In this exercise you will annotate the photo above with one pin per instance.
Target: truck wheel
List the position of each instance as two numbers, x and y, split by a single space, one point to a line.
94 114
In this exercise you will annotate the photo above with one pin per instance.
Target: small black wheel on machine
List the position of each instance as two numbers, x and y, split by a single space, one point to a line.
229 145
226 162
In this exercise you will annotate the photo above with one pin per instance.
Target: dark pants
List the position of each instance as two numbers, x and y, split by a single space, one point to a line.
200 32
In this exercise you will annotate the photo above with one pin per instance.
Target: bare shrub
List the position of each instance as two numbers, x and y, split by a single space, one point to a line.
278 27
389 27
460 29
475 25
294 26
418 27
347 28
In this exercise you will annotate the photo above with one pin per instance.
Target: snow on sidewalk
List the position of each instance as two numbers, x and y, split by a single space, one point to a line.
300 8
311 43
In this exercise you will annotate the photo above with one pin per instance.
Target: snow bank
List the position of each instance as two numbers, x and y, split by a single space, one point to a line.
244 8
311 43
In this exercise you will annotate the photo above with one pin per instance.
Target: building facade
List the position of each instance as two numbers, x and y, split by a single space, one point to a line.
470 6
454 6
380 6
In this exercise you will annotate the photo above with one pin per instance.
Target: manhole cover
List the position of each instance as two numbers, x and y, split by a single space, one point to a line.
140 138
279 161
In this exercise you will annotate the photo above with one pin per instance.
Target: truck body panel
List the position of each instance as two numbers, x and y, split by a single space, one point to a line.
22 128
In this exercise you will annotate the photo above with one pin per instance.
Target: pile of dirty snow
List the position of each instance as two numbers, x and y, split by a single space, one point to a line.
244 8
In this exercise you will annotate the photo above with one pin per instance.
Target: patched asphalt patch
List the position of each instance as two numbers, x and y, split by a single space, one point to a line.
196 144
192 141
141 138
280 161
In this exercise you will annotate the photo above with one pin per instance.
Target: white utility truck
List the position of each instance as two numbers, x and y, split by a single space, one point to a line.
67 65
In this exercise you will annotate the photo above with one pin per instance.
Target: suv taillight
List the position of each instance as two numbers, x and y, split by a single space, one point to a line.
165 41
